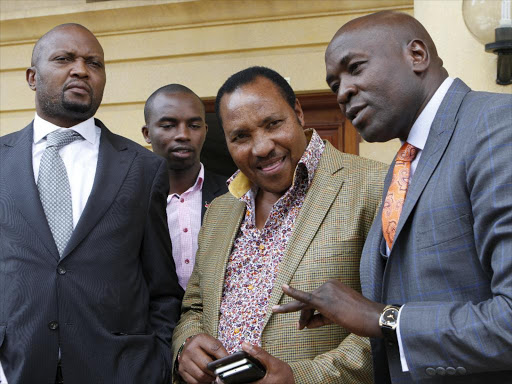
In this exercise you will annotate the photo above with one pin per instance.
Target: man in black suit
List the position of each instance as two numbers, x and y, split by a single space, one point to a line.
89 291
176 129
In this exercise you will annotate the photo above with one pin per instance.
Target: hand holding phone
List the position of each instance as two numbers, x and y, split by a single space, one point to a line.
192 364
240 367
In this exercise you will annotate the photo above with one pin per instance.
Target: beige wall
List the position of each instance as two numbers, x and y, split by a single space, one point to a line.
462 54
149 43
198 43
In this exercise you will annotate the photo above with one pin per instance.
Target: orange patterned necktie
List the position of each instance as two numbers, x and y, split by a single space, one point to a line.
397 191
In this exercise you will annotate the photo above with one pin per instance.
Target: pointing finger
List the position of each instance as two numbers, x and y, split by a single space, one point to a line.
305 297
293 306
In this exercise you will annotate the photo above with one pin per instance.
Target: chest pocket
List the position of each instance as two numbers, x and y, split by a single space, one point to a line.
436 234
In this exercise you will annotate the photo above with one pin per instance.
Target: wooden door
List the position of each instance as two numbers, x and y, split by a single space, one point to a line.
322 112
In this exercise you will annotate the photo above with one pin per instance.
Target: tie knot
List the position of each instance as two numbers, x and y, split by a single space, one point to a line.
407 152
60 139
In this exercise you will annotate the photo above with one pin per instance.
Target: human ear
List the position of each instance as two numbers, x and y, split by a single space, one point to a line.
145 133
30 75
418 55
298 111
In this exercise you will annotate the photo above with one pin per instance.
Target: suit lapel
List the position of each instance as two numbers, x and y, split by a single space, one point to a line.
372 260
210 188
231 218
440 134
319 198
18 176
114 161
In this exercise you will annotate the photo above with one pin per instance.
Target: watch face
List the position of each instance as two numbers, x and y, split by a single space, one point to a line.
389 317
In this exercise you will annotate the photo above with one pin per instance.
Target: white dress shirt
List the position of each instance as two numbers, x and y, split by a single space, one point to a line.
418 137
80 159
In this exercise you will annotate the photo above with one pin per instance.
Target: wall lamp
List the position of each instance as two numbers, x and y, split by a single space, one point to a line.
490 20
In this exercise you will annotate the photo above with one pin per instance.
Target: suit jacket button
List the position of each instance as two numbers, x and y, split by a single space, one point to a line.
53 325
61 271
430 371
440 371
461 370
450 371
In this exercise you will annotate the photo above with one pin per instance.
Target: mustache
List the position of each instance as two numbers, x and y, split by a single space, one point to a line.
78 84
272 157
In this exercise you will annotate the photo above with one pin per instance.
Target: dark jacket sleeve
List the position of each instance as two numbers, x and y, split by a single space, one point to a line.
158 266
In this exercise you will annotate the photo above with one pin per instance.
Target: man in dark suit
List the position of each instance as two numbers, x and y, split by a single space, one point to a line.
176 129
436 270
89 291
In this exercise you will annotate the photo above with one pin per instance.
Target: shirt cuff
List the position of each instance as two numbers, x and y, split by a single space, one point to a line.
403 361
3 379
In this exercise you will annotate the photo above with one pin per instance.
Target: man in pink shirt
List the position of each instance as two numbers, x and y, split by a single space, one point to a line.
176 129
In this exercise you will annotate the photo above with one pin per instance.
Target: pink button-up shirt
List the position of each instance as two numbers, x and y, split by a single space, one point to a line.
184 221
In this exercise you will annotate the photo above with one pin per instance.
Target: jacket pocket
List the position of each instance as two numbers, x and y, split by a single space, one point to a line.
442 233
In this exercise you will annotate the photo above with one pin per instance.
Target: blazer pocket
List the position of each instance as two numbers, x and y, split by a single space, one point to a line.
444 232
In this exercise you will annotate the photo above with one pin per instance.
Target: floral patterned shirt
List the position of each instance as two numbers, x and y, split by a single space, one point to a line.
254 261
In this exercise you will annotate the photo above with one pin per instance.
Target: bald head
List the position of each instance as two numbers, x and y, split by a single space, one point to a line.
42 44
391 27
170 89
67 75
384 68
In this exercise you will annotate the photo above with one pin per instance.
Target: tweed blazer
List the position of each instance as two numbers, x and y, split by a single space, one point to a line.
451 261
326 243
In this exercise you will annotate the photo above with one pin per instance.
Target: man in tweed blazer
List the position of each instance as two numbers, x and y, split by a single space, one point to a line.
325 242
449 270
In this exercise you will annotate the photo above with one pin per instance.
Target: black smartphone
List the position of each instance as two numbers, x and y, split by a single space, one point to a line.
238 368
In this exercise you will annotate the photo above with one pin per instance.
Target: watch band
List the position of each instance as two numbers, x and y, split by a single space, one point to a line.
388 322
178 355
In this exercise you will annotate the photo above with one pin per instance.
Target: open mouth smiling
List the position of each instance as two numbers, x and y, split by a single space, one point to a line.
271 166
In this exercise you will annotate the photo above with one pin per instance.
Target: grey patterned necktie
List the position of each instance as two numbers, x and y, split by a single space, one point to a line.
53 186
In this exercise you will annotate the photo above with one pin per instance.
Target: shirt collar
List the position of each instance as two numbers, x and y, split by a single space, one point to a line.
198 185
42 128
421 127
239 184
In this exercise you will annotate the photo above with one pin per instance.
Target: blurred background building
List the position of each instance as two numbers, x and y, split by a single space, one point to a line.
199 43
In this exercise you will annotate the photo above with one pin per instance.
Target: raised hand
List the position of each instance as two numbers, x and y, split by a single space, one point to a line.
336 303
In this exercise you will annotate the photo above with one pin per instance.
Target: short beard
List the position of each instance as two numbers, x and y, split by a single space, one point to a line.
69 110
57 106
75 107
